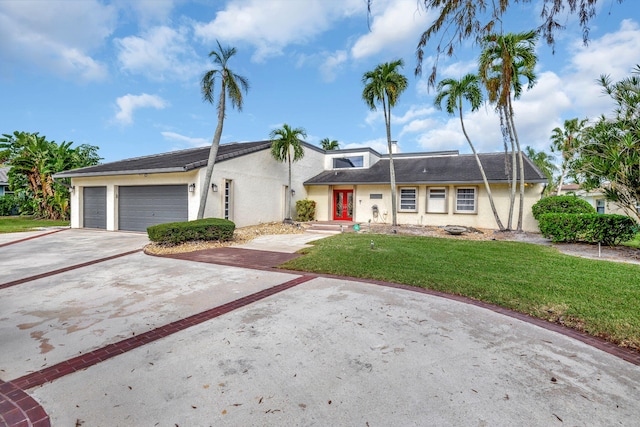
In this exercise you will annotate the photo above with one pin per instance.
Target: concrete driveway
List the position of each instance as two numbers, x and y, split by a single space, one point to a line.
119 338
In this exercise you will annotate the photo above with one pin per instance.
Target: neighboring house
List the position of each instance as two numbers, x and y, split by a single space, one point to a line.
595 197
4 181
249 187
438 188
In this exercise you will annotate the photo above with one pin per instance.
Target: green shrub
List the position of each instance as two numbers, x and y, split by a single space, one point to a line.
9 205
562 204
609 229
201 229
306 210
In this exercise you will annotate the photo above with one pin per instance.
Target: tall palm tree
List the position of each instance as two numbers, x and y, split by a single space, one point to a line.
544 162
504 61
231 85
384 85
286 147
455 92
329 144
565 141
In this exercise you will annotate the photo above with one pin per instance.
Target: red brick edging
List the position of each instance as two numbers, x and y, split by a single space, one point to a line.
31 238
65 269
18 409
94 357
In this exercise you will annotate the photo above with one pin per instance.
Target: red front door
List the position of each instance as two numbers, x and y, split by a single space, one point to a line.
343 205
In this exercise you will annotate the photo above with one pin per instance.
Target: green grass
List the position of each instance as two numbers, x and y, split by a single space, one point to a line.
635 243
12 224
601 298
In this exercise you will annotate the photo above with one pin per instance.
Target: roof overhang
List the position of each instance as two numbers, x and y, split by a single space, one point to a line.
72 174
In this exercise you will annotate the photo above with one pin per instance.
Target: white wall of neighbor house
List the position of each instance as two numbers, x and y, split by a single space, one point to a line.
437 212
113 182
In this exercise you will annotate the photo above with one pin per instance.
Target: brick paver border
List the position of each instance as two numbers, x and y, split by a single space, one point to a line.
31 237
65 269
100 355
18 409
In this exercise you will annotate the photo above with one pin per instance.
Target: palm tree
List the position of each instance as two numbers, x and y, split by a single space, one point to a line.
544 162
505 59
329 144
455 92
286 147
232 85
384 85
565 141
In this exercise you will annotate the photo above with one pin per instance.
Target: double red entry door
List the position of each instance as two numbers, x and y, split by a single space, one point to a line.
343 205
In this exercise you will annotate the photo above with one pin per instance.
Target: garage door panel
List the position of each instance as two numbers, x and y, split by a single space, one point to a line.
142 206
94 207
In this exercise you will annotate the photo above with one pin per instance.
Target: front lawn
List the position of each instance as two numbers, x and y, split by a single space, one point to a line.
601 298
635 243
12 224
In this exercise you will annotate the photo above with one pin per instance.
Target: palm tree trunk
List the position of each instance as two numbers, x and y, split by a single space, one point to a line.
504 120
213 153
562 175
392 169
484 176
520 167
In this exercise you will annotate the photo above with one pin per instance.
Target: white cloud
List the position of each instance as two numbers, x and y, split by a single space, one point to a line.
394 23
58 38
193 142
378 144
614 54
160 53
332 64
271 26
129 103
149 11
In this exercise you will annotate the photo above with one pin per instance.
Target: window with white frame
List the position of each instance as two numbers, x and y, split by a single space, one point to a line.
408 199
466 200
600 206
436 200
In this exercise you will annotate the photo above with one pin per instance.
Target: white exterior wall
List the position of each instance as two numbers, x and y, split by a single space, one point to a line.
258 188
483 218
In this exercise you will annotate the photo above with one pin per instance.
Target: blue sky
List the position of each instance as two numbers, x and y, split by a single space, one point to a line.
124 74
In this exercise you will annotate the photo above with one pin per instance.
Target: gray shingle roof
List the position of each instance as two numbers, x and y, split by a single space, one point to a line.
175 161
456 169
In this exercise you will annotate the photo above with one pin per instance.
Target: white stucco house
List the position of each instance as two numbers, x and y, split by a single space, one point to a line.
596 198
249 187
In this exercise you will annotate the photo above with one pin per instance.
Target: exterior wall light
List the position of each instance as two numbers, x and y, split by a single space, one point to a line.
214 188
192 188
293 192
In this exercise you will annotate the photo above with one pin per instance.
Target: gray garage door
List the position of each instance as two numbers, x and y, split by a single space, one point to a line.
94 207
142 206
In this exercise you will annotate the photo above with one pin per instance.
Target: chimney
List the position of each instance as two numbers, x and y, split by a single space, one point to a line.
394 147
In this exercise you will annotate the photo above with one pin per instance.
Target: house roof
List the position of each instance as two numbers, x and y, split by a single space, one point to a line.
4 176
175 161
446 169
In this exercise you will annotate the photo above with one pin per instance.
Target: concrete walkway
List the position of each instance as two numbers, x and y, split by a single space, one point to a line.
142 341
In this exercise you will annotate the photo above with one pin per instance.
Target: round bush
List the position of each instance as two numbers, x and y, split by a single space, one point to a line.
562 204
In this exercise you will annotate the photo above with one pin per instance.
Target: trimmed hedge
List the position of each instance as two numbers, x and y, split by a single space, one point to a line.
608 229
9 205
562 204
306 210
200 229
